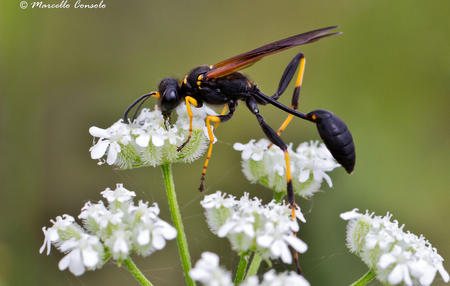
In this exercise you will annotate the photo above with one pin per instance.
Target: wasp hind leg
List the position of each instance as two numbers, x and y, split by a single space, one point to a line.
276 139
297 62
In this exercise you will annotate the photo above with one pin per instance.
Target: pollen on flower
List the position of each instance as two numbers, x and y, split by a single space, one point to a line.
149 141
398 257
115 230
266 165
250 225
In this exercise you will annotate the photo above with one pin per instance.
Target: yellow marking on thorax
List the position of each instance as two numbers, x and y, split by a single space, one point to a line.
199 81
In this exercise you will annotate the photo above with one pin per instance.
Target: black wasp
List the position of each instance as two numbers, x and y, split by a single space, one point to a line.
221 84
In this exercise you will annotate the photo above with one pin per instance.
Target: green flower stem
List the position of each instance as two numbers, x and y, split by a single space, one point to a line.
136 272
366 278
278 196
240 273
254 266
176 218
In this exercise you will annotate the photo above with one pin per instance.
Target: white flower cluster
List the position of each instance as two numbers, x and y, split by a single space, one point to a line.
250 225
398 257
271 278
267 166
147 141
208 271
113 231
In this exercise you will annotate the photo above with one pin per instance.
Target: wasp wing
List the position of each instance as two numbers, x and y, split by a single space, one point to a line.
246 59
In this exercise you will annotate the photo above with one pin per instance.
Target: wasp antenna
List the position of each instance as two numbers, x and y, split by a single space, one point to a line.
141 100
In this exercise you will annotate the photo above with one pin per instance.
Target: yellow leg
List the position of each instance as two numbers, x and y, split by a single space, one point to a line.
189 100
290 190
211 141
292 202
222 113
301 71
298 84
285 124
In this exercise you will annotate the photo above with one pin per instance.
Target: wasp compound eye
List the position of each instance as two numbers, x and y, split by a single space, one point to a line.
336 136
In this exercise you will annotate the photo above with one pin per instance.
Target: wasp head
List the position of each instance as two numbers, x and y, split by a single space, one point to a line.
170 96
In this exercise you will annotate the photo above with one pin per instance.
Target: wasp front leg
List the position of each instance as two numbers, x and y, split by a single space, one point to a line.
189 100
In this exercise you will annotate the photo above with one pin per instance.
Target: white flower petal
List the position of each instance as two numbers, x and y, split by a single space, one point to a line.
199 274
158 241
99 132
246 154
169 232
285 253
99 149
157 140
353 214
296 243
143 237
386 260
90 257
304 175
114 149
73 261
238 146
264 240
143 140
327 179
225 229
443 272
257 156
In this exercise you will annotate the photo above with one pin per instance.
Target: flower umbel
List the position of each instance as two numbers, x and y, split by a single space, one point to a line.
208 271
271 278
252 226
398 257
115 230
266 166
149 141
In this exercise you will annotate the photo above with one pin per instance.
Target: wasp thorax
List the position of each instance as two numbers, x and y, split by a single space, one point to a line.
193 77
170 97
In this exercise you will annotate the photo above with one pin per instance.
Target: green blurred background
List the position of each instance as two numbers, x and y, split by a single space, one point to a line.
64 70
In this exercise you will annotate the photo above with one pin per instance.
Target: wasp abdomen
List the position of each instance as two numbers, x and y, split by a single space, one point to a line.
336 136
